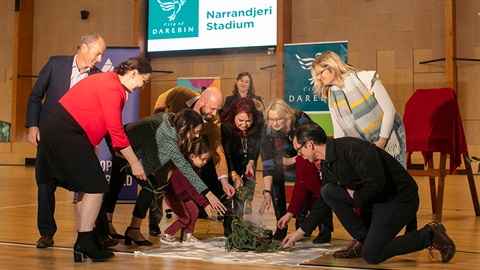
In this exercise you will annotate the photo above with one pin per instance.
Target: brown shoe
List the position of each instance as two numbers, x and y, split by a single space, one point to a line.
45 241
352 250
442 242
107 241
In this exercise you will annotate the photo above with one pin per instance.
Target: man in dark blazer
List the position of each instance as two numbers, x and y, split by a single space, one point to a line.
55 79
357 173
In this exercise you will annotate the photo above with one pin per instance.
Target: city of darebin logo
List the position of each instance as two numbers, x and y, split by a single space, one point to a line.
306 64
175 19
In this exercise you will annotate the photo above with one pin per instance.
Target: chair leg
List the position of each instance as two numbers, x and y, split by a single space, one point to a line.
441 186
471 183
433 187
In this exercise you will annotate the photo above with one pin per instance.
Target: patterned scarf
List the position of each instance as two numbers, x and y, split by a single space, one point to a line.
359 115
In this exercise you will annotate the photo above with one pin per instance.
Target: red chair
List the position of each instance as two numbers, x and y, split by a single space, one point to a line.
433 124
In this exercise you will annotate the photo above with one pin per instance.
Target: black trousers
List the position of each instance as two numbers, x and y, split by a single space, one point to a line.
46 208
380 241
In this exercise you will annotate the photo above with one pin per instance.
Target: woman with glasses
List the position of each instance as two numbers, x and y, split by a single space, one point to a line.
278 156
84 115
368 112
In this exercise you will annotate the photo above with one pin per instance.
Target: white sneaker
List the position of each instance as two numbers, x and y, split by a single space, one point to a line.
168 239
189 238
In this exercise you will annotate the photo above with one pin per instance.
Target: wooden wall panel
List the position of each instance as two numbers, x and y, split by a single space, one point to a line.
386 26
421 55
403 88
405 33
428 80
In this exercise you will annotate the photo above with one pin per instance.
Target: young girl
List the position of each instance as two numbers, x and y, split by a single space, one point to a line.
181 196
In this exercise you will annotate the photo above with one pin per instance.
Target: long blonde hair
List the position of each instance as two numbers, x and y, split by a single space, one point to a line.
284 111
328 60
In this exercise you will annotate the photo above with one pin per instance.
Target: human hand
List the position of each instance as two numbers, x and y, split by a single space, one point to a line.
227 188
265 206
289 161
250 170
33 135
381 143
208 210
283 222
238 181
292 238
216 204
137 171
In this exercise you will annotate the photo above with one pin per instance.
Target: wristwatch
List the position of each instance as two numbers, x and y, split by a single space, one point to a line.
267 191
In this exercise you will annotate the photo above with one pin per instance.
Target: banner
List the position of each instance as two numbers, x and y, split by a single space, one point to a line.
299 82
112 57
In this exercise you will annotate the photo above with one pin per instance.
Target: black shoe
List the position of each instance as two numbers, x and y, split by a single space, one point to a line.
128 239
441 241
107 241
99 241
85 246
45 241
154 230
116 236
324 235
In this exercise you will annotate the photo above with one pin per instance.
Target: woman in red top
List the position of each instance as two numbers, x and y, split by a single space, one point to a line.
66 152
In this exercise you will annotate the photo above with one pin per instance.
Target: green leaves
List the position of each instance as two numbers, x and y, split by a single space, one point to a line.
250 237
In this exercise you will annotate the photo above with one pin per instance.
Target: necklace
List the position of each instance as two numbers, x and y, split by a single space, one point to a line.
244 145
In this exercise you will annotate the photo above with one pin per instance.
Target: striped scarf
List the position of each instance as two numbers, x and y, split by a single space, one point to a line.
359 115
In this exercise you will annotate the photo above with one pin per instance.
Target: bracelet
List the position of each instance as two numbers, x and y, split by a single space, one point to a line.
267 191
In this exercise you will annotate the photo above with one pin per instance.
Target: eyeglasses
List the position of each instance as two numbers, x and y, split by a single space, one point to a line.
144 80
301 146
275 120
321 72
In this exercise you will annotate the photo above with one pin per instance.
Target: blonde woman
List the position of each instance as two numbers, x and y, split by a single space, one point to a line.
359 104
278 156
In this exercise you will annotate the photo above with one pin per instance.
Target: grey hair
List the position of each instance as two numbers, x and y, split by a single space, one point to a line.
88 38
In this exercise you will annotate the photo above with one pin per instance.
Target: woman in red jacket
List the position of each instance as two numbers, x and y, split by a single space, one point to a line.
307 189
66 152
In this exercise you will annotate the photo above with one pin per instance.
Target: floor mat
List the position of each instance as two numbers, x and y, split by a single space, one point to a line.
213 249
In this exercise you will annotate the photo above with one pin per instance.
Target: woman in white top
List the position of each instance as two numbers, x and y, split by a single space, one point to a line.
359 104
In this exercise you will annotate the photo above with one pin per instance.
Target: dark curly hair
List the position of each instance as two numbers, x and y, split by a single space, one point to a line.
185 121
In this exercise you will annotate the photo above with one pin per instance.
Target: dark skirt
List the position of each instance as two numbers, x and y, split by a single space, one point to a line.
66 155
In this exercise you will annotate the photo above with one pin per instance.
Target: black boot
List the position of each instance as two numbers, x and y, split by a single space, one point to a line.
85 246
280 207
324 235
280 233
227 225
98 243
